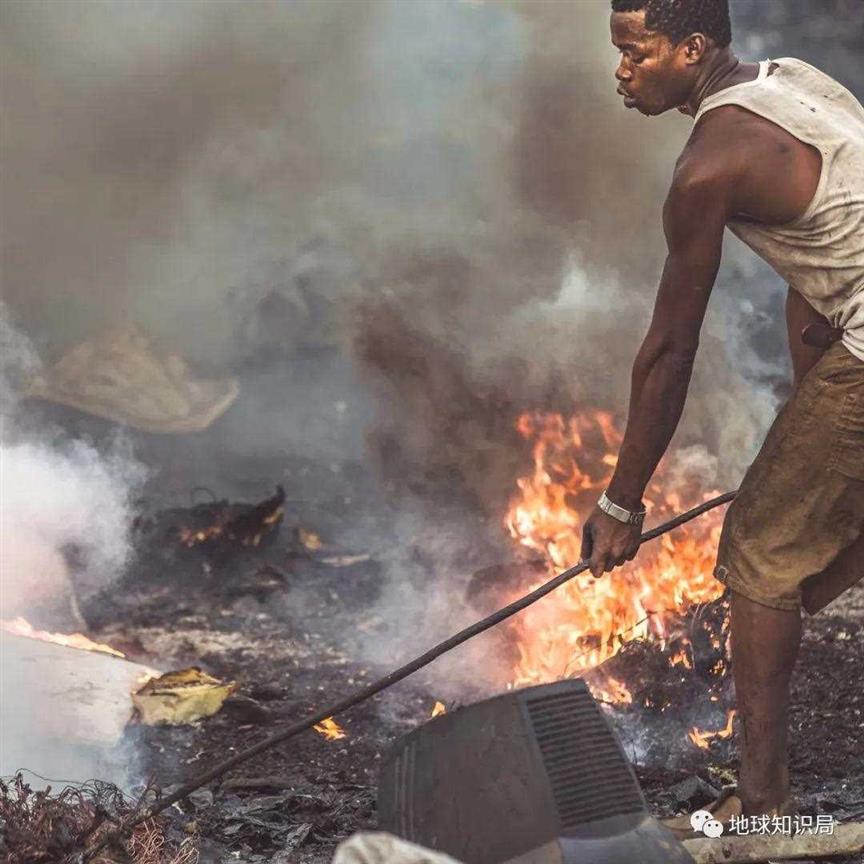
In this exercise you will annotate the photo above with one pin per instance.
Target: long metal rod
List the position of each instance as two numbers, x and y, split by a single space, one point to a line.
383 683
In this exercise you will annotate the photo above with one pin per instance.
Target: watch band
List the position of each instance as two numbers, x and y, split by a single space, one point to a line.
628 517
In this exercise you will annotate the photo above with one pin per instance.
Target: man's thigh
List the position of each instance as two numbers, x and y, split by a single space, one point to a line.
801 504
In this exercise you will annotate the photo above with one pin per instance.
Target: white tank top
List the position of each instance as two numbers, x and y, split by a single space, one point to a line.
820 254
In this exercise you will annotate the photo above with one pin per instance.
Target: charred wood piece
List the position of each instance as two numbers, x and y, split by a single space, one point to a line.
213 530
235 525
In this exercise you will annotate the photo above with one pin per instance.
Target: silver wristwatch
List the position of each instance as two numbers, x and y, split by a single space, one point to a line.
628 517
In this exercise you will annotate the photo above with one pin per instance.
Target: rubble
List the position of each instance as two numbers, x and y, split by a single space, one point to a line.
76 721
120 375
846 840
181 697
42 827
693 792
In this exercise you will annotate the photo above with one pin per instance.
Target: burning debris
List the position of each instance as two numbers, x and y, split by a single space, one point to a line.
330 729
703 738
219 528
591 620
651 639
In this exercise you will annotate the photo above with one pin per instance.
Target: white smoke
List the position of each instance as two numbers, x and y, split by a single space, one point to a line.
65 519
65 516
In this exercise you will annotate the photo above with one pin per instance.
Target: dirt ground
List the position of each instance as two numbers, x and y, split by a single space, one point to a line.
286 622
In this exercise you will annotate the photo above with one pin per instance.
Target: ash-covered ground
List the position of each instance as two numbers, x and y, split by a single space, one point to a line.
292 625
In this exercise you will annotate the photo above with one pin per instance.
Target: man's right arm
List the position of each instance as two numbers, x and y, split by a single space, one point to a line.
694 218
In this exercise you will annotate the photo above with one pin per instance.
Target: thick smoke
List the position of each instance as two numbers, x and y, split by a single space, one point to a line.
160 154
541 293
423 177
446 195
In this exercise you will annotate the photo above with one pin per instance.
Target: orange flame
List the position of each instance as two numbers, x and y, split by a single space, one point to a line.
587 621
330 729
190 538
611 690
438 709
681 658
703 739
22 627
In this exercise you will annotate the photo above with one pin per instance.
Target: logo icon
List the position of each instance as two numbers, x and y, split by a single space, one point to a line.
704 822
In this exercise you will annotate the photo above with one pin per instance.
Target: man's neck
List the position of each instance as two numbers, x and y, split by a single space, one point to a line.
724 70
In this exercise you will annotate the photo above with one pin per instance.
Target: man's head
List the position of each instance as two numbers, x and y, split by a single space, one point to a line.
665 45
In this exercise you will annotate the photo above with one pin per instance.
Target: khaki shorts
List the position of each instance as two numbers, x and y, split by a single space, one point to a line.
802 501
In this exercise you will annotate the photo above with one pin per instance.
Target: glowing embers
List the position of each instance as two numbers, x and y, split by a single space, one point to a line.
330 729
220 526
588 621
703 738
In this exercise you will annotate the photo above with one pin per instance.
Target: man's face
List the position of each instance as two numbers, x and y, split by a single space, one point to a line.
652 74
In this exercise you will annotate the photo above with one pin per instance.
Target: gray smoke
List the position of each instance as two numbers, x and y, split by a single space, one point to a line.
366 175
447 195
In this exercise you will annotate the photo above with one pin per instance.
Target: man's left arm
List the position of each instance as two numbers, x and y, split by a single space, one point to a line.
694 218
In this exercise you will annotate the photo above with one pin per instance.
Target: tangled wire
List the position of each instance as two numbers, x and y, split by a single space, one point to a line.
42 827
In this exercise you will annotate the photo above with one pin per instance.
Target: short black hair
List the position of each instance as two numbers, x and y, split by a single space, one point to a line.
677 19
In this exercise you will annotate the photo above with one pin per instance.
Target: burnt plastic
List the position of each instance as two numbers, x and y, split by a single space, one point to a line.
534 775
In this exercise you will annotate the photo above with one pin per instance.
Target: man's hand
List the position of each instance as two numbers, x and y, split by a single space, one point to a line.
608 543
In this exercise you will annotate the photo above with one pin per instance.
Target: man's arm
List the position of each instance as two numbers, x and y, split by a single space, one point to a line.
694 218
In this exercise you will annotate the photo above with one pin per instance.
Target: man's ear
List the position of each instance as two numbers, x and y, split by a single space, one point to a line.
695 47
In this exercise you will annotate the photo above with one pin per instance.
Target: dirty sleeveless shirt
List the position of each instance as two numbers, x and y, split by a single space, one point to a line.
821 253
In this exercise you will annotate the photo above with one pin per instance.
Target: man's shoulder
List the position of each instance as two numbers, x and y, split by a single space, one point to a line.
721 148
704 163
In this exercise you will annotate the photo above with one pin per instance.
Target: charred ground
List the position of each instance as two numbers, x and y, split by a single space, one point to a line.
288 620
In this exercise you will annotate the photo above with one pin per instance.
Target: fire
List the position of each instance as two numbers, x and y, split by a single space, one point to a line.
190 538
611 690
330 729
244 526
223 530
438 709
22 627
681 658
703 739
587 621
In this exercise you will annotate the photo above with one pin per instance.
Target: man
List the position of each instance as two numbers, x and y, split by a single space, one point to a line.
777 154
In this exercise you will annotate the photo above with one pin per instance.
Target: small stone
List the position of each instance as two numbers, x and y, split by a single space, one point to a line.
201 798
694 792
245 710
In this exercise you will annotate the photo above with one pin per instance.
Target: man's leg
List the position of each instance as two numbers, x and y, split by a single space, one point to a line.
764 649
843 572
